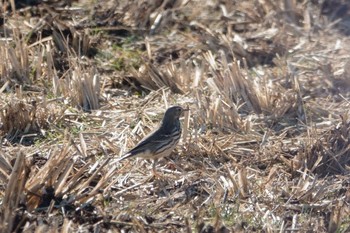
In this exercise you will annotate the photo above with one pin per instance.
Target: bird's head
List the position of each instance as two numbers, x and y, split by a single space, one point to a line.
173 114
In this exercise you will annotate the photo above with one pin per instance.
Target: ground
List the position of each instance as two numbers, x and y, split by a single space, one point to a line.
265 145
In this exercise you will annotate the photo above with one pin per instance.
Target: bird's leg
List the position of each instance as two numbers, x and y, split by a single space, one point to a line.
155 174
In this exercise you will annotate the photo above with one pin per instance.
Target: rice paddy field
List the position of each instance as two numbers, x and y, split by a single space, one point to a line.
265 145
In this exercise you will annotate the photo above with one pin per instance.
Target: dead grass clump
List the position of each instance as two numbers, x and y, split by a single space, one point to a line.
256 92
330 154
69 180
237 91
14 194
22 117
15 60
152 78
82 88
73 76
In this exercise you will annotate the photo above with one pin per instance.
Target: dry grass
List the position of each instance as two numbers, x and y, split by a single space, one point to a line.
265 145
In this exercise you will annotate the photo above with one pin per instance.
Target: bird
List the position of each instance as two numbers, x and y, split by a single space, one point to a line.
162 141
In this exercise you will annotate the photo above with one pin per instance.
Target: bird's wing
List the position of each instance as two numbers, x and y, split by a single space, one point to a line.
152 142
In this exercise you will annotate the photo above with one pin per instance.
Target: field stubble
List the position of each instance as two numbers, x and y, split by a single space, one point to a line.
265 146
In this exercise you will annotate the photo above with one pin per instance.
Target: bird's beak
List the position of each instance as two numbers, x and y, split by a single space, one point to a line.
185 110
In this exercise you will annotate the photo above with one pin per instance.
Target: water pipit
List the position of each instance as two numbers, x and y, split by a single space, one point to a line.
162 141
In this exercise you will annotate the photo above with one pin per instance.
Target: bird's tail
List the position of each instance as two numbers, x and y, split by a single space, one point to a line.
125 156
